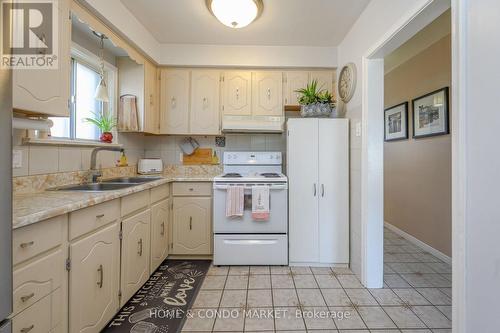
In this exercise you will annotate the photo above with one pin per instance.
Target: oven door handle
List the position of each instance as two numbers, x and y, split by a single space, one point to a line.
249 187
250 241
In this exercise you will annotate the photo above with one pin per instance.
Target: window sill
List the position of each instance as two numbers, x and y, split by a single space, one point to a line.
68 142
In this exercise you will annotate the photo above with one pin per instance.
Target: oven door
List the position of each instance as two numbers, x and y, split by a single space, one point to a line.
278 209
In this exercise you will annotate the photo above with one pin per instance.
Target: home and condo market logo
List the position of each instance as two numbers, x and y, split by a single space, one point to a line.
29 34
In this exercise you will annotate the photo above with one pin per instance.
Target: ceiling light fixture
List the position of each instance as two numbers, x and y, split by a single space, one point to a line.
235 13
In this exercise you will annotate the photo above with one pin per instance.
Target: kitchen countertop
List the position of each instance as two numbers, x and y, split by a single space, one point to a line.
35 207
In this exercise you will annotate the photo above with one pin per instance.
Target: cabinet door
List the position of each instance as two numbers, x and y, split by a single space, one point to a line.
174 113
334 191
237 93
205 95
151 99
302 165
267 92
135 253
94 280
324 78
191 225
47 91
294 81
159 233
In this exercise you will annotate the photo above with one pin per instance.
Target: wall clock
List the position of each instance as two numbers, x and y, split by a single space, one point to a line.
347 82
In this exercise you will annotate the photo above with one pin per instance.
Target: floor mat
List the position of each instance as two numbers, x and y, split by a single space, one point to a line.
161 305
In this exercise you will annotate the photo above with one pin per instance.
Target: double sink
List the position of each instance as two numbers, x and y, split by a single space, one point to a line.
107 185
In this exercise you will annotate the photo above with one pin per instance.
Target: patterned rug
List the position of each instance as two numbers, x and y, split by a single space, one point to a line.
161 305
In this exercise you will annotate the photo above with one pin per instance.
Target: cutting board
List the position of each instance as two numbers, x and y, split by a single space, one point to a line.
200 156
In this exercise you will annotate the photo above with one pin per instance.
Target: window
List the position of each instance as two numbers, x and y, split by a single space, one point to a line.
84 80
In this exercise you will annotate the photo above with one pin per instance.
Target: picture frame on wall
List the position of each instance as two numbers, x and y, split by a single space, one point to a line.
396 122
431 114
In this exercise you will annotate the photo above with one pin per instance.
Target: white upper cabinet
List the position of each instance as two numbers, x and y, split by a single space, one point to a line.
267 90
237 93
325 79
294 81
205 95
47 91
174 113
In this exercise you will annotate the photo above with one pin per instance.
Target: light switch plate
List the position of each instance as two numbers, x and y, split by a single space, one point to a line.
358 129
17 159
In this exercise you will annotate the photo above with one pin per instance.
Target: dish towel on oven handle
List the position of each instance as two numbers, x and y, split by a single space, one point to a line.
235 199
260 203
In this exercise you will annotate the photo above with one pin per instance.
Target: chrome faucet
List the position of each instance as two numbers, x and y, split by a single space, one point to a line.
94 172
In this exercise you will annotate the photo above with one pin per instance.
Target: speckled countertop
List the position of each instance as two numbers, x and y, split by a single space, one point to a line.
31 208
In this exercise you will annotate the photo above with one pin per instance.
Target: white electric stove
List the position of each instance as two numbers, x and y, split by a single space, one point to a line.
242 240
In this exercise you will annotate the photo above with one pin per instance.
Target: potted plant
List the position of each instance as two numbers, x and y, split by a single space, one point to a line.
315 102
105 123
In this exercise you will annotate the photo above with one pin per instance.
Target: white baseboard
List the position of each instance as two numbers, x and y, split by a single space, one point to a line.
419 243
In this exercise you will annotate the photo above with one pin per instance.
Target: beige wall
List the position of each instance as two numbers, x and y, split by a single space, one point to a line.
417 173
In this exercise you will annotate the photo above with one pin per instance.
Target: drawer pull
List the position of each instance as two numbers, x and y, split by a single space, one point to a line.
190 223
27 329
162 228
100 216
191 189
100 270
27 244
27 297
140 247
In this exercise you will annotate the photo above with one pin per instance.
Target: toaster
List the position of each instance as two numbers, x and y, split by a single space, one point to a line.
148 166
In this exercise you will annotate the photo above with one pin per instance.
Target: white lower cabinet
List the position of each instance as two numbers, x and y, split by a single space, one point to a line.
94 280
191 225
135 253
42 317
160 217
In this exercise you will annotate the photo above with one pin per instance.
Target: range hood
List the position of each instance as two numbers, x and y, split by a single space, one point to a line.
253 124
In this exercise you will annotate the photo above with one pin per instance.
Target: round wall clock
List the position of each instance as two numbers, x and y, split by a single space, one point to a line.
347 82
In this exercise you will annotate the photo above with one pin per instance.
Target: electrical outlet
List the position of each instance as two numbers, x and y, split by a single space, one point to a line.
17 159
358 129
181 157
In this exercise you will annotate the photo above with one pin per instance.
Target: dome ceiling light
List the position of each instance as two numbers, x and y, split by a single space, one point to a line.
235 13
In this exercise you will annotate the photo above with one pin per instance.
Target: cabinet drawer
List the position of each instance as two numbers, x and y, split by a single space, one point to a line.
159 193
88 219
195 189
36 280
135 202
34 239
41 317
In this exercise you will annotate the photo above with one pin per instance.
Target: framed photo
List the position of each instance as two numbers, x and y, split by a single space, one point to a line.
430 114
396 122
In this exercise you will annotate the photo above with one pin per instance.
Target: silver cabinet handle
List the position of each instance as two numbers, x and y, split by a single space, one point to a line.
268 93
27 244
191 189
27 297
322 190
173 102
205 102
162 228
190 223
140 247
100 216
100 270
27 329
237 93
151 99
315 189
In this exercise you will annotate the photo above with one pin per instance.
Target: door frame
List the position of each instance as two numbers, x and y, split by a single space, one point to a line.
372 146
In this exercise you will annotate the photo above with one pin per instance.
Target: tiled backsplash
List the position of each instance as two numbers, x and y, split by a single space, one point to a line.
38 159
49 159
167 148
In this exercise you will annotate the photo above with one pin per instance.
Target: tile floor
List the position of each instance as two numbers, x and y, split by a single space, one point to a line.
416 297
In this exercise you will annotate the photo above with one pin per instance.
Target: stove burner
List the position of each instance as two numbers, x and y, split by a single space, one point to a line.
232 175
270 175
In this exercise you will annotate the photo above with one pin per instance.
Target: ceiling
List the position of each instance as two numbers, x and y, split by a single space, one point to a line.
438 29
283 22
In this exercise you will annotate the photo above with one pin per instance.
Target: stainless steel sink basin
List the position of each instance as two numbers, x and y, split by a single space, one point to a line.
94 187
131 180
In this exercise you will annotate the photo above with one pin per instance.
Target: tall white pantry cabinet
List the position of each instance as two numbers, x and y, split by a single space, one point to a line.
318 172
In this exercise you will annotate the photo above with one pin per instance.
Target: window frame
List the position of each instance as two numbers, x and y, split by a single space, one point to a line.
83 56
